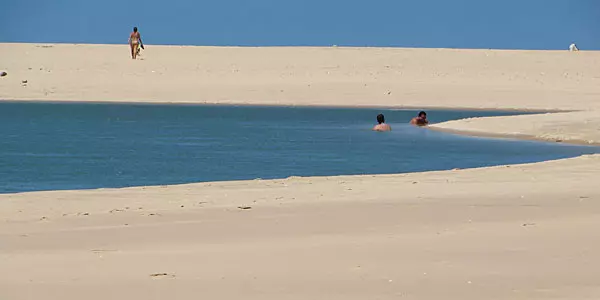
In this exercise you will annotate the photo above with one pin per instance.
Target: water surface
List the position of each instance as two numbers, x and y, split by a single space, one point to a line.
52 146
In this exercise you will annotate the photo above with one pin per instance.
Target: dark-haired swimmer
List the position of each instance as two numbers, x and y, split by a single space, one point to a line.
420 120
381 126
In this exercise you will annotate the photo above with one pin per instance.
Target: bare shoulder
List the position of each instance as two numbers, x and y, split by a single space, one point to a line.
382 127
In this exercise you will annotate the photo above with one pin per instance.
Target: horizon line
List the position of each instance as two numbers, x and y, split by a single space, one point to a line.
301 46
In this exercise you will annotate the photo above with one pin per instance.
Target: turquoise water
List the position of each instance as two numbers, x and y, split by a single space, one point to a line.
50 146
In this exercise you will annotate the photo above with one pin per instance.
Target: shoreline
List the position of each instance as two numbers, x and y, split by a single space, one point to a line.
515 137
244 104
157 192
512 138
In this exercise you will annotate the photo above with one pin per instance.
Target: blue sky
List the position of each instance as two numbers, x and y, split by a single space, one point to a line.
504 24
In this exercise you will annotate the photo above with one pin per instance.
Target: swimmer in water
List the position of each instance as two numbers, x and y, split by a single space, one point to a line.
420 120
135 42
381 126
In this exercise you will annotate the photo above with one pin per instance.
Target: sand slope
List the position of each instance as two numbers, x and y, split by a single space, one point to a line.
516 232
494 233
303 76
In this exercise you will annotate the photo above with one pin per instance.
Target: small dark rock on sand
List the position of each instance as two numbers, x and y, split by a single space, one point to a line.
2 74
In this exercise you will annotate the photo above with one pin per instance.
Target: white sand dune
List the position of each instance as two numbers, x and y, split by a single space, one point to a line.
507 232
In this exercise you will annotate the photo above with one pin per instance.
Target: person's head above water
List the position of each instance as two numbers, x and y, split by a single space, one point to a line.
420 119
134 29
381 126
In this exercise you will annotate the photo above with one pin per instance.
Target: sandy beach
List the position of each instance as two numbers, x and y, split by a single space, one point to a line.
506 232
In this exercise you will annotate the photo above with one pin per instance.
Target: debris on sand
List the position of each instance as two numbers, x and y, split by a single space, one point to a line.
157 275
245 207
2 73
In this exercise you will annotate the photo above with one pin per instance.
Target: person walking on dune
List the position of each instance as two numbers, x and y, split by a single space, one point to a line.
135 42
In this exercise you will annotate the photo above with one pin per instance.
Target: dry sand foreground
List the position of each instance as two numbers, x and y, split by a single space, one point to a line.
517 232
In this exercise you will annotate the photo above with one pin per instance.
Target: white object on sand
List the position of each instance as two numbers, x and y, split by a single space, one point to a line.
573 47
